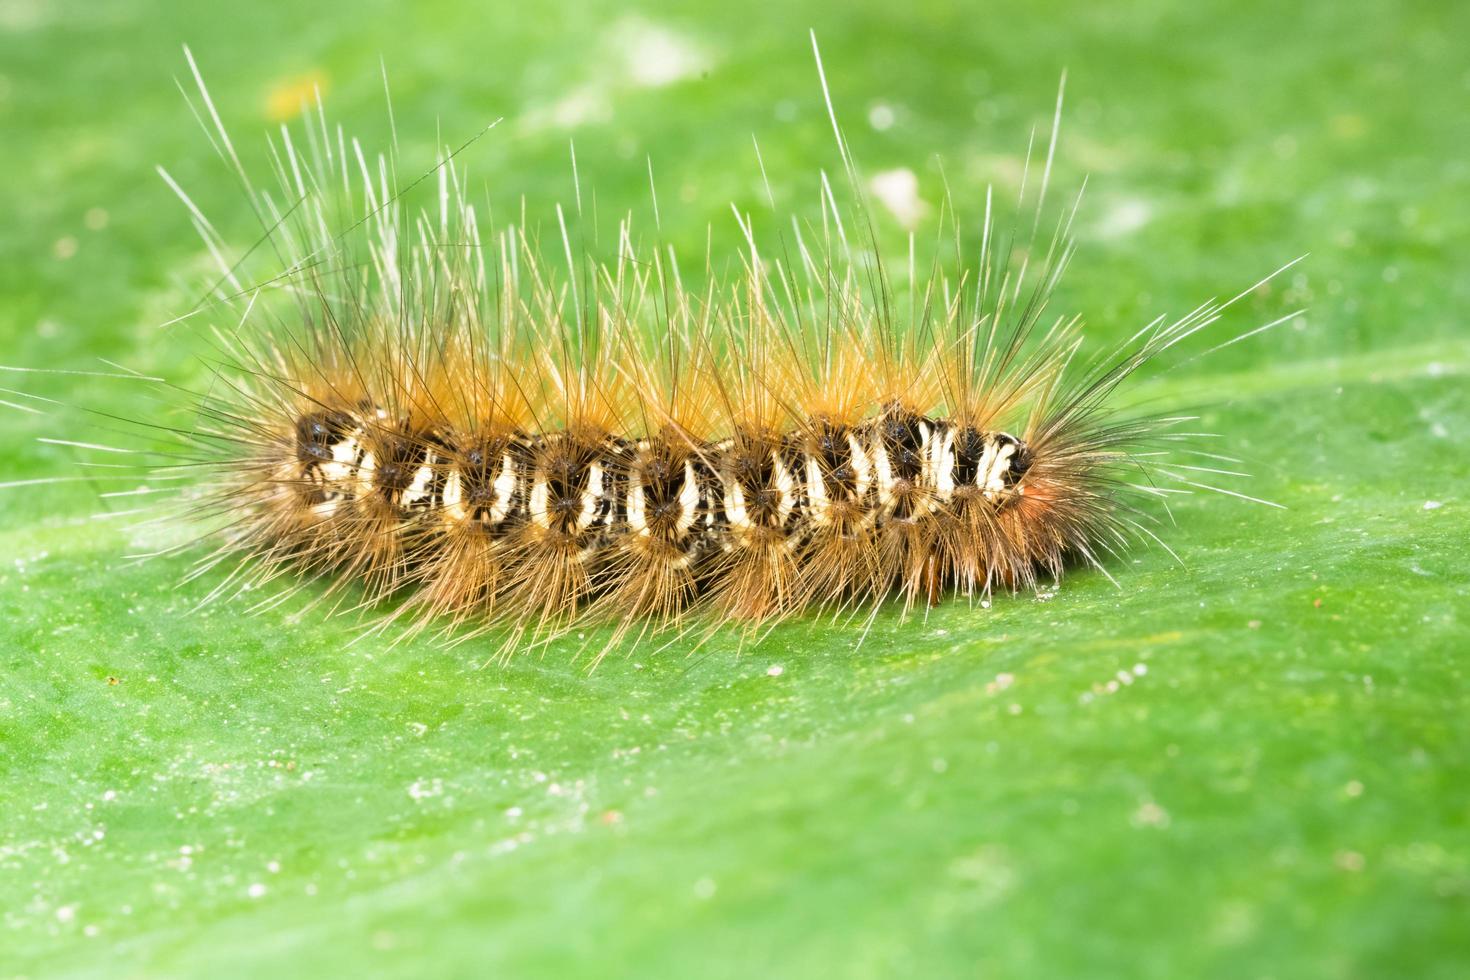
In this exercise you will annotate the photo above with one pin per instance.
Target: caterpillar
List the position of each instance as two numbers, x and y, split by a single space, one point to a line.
443 420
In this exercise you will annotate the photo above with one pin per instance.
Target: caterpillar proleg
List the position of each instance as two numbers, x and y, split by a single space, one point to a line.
471 431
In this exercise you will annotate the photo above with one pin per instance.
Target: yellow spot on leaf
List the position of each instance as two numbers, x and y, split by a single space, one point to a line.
1349 126
288 98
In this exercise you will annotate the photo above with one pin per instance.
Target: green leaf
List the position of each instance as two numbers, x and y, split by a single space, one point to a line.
1256 763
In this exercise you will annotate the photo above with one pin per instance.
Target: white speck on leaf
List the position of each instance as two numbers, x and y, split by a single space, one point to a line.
423 789
1150 814
1124 218
898 191
657 56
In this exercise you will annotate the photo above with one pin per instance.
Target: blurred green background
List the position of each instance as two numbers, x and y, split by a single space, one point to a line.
1258 765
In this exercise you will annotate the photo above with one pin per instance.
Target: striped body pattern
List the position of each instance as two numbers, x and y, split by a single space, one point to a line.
690 503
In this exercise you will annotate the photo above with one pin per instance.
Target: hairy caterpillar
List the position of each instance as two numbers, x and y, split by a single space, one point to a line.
426 408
